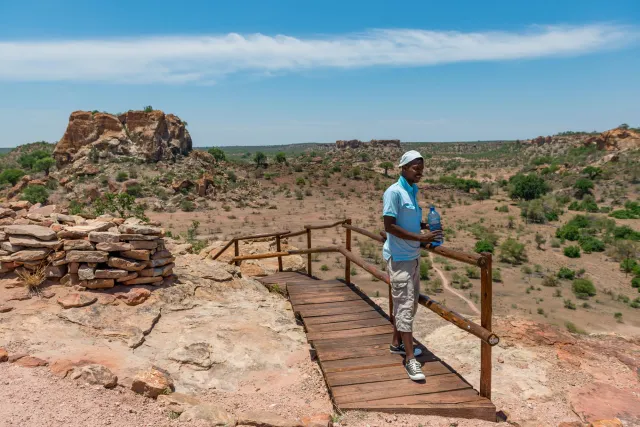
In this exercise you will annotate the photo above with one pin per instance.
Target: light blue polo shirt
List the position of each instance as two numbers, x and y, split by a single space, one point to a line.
401 202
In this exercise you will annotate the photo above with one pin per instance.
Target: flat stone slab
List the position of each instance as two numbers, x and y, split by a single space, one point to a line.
140 229
37 231
87 256
114 246
75 300
32 242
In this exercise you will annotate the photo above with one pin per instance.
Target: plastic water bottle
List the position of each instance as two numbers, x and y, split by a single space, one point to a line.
433 219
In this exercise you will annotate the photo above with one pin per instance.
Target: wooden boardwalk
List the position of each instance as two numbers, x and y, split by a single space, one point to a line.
351 336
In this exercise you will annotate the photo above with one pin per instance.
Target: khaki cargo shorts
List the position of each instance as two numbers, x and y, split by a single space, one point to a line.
405 291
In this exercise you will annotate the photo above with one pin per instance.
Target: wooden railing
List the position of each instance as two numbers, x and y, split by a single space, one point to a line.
483 330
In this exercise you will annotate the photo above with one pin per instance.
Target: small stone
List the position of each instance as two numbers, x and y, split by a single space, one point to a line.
160 262
158 271
37 231
111 274
114 247
142 244
78 245
100 284
17 356
95 374
56 270
140 229
128 277
162 254
264 419
29 255
152 383
126 264
137 254
135 296
4 356
177 402
86 273
47 294
31 362
104 237
87 256
213 415
8 247
143 280
76 300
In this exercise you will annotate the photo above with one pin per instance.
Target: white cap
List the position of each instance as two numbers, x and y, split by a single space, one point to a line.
408 157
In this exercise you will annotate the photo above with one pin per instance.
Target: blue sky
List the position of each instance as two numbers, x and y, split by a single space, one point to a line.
280 72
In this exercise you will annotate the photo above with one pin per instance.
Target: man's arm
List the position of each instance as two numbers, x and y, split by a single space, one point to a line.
394 229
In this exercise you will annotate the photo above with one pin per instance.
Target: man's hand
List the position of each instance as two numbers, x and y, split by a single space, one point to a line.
431 236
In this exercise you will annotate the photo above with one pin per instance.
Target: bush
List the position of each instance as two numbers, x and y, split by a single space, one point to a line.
592 172
583 186
583 287
324 267
550 282
135 190
187 205
299 194
635 283
496 275
527 187
424 270
628 265
28 161
232 176
572 252
148 109
631 211
503 208
569 304
35 194
512 252
591 244
281 157
122 204
122 176
566 273
11 175
459 183
300 181
473 272
573 328
217 154
484 246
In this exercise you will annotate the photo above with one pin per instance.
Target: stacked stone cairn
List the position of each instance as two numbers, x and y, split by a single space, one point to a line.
95 254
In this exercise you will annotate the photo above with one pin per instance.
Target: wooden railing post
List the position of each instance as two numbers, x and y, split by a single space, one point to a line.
236 246
347 261
279 249
486 310
309 255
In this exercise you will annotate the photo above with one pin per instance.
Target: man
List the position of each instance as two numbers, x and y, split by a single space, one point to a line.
403 223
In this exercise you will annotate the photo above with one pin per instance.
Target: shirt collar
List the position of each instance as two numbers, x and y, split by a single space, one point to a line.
412 189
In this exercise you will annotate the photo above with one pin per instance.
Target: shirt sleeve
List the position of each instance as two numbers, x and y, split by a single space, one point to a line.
390 204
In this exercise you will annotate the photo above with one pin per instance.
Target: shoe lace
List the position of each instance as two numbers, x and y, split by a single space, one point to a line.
413 365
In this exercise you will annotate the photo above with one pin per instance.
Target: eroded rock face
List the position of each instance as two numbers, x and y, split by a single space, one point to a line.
151 136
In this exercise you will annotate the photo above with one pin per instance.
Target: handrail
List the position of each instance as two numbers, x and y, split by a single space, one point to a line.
321 226
255 236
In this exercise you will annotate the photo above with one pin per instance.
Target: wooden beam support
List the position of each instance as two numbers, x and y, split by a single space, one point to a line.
486 311
279 249
309 255
347 261
236 250
262 236
364 232
224 248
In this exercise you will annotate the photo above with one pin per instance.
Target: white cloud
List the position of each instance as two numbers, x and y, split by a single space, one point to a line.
204 59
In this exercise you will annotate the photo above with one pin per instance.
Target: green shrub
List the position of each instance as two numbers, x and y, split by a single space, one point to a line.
324 267
424 270
122 176
527 187
569 304
583 186
29 160
635 282
299 194
217 154
135 190
628 265
631 211
512 252
11 175
496 275
35 194
566 273
300 181
572 252
122 204
550 282
473 272
573 328
148 109
484 246
582 287
75 207
503 208
459 183
591 244
187 205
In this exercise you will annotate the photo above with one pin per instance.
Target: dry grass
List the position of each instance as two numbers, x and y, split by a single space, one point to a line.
32 279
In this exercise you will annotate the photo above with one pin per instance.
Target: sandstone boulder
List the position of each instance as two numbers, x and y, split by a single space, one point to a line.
111 274
100 284
104 237
75 300
152 383
211 414
140 229
32 242
135 296
95 374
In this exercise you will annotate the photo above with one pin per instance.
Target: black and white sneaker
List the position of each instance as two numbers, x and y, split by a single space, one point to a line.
414 370
401 350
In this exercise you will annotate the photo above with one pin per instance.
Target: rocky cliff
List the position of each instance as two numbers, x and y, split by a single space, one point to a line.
356 143
612 140
151 136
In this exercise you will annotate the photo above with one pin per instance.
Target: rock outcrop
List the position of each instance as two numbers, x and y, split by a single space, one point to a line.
615 140
356 143
150 136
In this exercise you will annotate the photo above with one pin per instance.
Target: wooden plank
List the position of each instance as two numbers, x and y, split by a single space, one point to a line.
354 352
486 294
338 310
396 388
387 359
319 292
471 410
314 284
451 397
342 318
305 300
396 372
345 304
352 342
353 324
348 333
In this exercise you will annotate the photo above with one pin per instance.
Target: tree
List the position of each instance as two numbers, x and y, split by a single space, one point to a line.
35 194
386 166
623 126
592 172
44 164
540 240
260 159
527 187
281 158
28 161
583 186
148 109
583 288
217 154
483 246
512 251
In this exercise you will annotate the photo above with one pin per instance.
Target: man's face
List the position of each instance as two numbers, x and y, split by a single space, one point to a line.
413 171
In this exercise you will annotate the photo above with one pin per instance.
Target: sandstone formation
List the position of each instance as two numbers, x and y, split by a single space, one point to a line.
356 143
615 140
150 136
